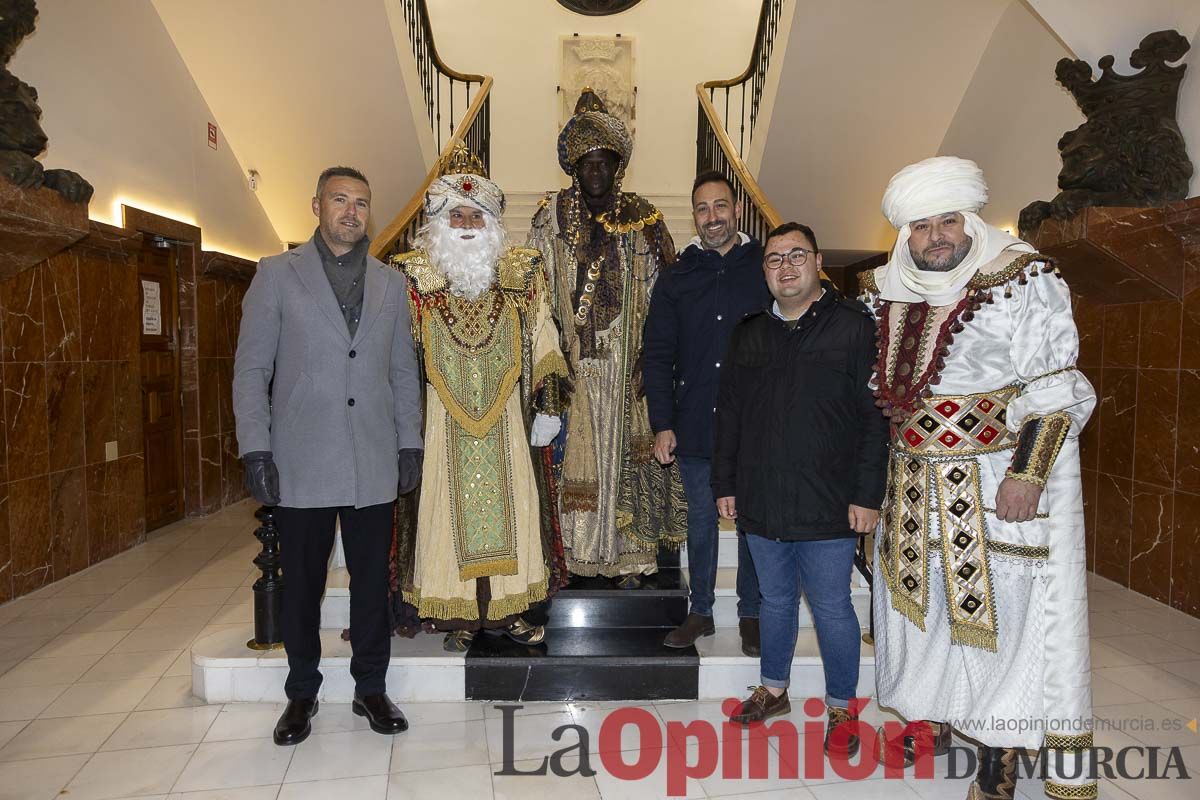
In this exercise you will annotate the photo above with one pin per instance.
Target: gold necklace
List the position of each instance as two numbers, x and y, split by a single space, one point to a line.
585 297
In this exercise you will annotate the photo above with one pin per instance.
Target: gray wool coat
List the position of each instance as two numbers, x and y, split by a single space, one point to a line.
340 409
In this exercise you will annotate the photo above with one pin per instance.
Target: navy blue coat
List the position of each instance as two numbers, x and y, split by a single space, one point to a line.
695 305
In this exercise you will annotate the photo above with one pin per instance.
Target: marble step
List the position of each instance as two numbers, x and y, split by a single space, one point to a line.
659 602
582 664
579 606
224 670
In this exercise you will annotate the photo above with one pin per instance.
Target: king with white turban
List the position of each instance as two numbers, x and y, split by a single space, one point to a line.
486 551
980 602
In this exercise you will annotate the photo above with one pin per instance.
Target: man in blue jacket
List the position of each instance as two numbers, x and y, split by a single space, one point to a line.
717 280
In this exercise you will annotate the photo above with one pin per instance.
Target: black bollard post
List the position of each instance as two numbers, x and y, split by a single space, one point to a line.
268 589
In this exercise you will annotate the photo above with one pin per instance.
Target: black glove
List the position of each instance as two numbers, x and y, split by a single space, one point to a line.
411 460
261 477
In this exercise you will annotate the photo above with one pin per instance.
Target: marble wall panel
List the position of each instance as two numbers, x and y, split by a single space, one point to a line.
211 490
1121 325
1114 523
25 419
1159 335
206 319
225 395
1116 416
131 514
102 487
232 487
1156 414
209 395
96 306
60 308
1151 541
1187 446
21 317
68 522
191 476
1185 559
64 414
1189 351
29 520
1089 319
6 582
127 390
99 408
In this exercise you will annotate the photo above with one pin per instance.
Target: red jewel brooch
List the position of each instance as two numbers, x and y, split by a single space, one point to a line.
467 186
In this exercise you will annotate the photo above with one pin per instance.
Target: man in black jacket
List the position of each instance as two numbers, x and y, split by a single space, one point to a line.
717 280
799 461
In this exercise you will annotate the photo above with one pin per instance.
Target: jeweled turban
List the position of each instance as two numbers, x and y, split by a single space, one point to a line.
939 185
593 129
464 189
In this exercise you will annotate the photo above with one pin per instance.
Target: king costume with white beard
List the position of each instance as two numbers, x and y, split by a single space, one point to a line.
485 549
979 622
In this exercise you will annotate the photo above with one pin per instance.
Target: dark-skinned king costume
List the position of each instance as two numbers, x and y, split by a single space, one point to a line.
481 556
979 622
617 503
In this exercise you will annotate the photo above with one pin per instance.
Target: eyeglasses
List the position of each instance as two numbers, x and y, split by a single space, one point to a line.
797 257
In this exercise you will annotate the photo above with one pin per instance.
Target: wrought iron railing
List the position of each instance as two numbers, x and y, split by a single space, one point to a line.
446 92
472 130
736 101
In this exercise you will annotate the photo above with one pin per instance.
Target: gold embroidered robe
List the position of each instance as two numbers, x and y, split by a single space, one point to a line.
978 621
478 515
617 503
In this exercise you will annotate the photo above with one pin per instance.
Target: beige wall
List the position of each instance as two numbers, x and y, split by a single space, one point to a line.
301 85
1012 115
121 109
863 91
677 44
1189 111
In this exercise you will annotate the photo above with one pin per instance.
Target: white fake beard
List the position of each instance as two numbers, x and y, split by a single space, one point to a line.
469 264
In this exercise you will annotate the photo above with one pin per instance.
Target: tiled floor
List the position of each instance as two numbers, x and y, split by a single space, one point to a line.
95 703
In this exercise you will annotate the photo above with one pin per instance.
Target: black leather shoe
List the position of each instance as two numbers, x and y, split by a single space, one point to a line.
381 712
294 726
748 629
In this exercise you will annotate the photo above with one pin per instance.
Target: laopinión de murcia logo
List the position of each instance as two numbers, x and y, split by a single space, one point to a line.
701 749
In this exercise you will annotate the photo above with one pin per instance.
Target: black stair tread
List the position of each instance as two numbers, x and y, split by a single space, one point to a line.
629 610
667 581
597 646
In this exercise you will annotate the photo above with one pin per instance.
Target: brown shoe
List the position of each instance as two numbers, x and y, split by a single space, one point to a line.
692 629
760 706
748 628
845 745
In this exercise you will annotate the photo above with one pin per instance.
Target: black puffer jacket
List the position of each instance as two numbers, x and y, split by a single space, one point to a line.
799 437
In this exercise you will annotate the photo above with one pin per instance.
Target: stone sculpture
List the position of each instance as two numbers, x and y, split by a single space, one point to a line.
21 136
1130 151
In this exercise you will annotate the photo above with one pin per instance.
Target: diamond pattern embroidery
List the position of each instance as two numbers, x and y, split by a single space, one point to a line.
968 581
960 424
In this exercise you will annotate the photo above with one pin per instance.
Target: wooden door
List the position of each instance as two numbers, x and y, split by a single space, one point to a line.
162 412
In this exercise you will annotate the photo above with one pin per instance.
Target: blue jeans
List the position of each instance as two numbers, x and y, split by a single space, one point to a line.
703 537
823 568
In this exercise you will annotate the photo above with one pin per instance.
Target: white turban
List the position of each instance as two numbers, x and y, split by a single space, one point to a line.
934 186
464 189
940 185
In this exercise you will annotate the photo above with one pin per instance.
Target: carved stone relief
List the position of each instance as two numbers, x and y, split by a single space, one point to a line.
605 64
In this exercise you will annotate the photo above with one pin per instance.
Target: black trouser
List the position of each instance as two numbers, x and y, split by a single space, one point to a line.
305 542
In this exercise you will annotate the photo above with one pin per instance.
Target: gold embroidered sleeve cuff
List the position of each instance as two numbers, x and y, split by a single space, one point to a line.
552 397
1038 444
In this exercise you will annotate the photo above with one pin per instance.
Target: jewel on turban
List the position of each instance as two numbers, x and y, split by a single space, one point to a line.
593 128
464 189
940 185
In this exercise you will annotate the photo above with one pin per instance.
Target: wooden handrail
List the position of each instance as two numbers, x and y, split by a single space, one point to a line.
386 240
437 59
765 207
759 38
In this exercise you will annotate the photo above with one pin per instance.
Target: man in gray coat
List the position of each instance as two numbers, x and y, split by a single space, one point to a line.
326 393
